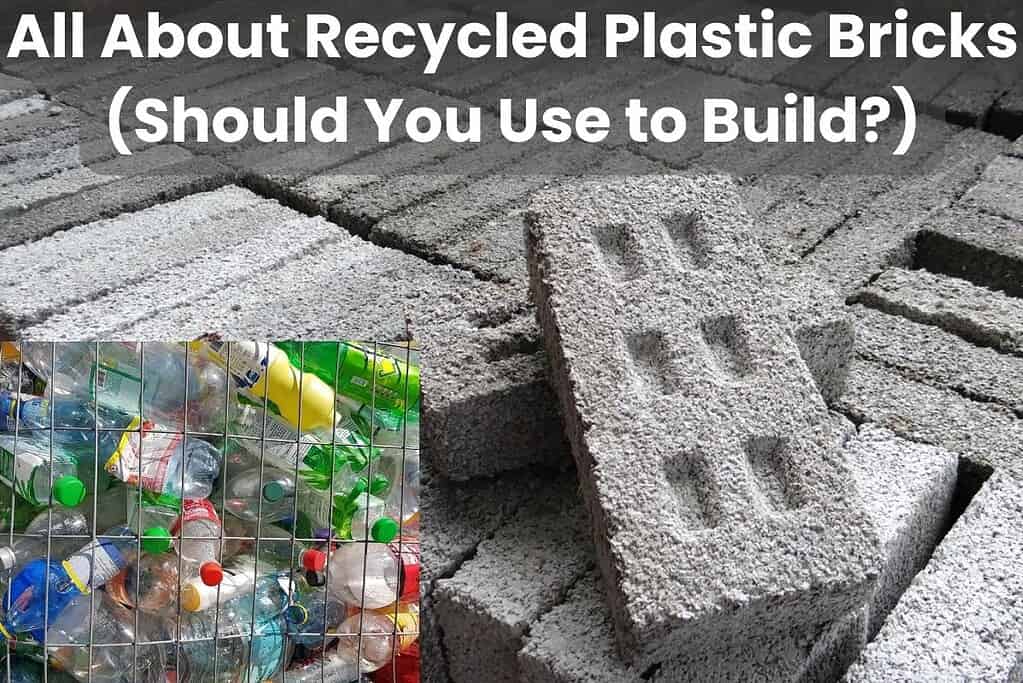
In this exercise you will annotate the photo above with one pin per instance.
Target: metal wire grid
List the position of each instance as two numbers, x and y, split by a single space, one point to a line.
326 634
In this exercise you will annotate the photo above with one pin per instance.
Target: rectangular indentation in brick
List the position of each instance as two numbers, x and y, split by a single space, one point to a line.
513 345
692 508
686 232
946 255
728 350
618 250
772 489
648 352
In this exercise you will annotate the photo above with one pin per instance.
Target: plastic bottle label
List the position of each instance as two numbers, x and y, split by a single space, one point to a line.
94 565
19 472
143 459
15 408
247 363
194 511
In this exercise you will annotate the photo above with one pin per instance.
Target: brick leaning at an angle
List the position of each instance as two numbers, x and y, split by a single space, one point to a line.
985 434
961 618
908 491
1006 116
975 313
751 472
931 355
521 572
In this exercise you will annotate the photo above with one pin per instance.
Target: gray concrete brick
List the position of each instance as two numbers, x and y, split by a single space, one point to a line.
974 313
142 186
987 250
486 608
968 99
925 79
449 228
1006 117
456 518
507 365
32 182
880 235
907 488
929 354
961 618
83 287
1000 189
808 208
646 243
14 88
985 434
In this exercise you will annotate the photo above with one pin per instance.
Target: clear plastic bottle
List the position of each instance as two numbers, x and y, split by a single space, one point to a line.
152 584
112 624
160 458
391 574
311 613
26 466
33 543
331 667
119 379
198 533
370 519
374 638
238 578
270 647
269 497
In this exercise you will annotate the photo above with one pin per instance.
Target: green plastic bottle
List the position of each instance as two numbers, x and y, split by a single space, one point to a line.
368 377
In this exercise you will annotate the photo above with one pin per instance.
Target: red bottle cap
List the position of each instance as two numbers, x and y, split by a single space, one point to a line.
314 560
211 573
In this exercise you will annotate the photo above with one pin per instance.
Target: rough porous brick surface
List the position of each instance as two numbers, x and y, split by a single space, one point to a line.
487 607
908 490
961 619
651 290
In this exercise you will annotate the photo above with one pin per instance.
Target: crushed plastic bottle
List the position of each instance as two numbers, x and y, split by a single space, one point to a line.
167 464
270 648
111 624
312 613
119 379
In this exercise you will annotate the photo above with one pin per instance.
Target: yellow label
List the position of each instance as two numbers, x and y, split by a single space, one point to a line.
123 444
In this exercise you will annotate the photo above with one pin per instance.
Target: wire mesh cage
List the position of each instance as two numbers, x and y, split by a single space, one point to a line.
210 511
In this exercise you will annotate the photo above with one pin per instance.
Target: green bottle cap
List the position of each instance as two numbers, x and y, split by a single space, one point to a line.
379 485
156 540
69 491
384 530
273 491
